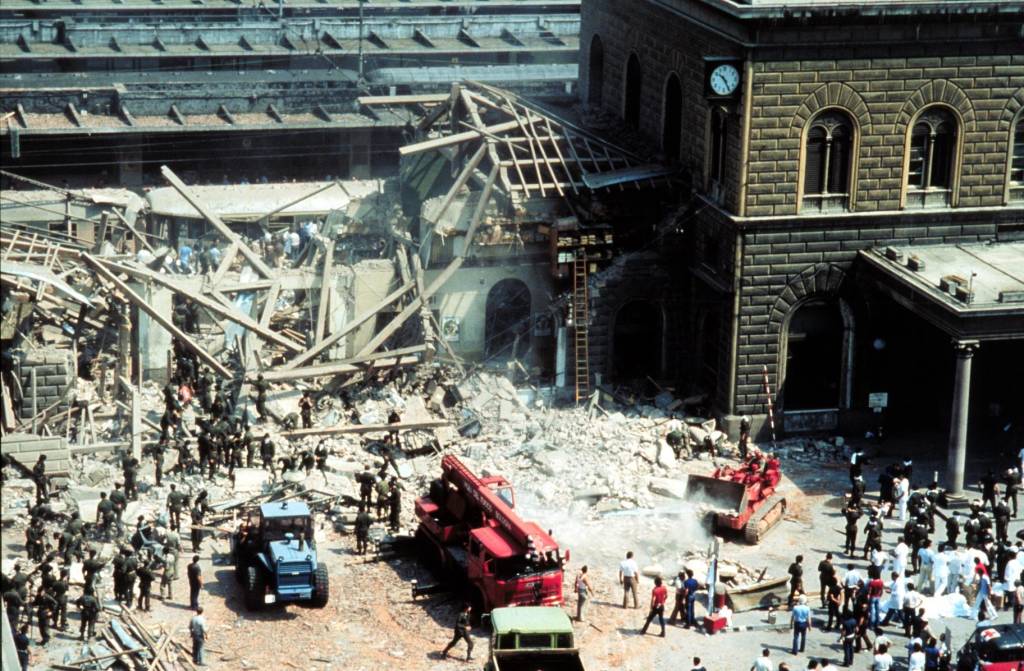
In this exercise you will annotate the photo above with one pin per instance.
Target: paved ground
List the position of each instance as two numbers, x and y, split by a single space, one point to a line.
372 622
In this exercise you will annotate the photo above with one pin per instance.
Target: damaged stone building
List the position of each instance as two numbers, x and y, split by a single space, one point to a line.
820 138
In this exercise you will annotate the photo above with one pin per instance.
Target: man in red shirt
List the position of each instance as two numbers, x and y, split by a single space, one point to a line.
876 588
658 597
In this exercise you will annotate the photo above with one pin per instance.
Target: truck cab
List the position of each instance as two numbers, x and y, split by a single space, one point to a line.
532 638
275 557
995 648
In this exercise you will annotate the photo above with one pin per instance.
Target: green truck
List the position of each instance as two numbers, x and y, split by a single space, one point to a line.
532 638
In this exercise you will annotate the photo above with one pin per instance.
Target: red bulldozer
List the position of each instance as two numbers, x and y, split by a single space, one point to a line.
470 532
745 496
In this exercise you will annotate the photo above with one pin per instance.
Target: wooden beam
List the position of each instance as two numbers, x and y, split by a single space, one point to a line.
478 213
251 256
467 170
226 310
309 195
413 306
225 264
133 297
413 99
325 291
312 353
455 138
367 428
401 356
268 306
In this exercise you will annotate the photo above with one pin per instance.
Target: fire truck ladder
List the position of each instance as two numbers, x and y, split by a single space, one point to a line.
581 324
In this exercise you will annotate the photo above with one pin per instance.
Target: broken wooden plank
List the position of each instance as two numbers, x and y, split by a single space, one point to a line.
460 182
345 365
215 221
228 311
139 302
325 284
366 428
411 99
268 306
225 264
455 138
414 306
312 353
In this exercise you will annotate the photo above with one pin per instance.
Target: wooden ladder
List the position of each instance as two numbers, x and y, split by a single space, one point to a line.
581 324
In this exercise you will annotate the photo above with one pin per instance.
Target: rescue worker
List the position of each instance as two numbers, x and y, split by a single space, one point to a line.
45 605
261 387
306 410
461 633
744 436
89 608
169 573
120 501
146 578
41 481
852 513
197 521
362 530
395 504
321 455
59 590
267 453
796 579
175 501
383 491
365 486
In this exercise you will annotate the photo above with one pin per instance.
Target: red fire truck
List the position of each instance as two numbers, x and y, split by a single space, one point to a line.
469 530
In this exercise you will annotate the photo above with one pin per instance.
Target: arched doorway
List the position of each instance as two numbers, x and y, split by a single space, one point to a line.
633 84
672 118
637 341
815 346
595 72
507 320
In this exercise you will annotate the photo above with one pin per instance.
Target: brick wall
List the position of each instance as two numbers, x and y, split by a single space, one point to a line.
783 264
54 371
26 448
665 45
882 93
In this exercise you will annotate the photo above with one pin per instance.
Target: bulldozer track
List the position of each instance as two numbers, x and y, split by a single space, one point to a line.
767 516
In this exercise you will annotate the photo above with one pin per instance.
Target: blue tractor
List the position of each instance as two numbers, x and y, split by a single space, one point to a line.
275 557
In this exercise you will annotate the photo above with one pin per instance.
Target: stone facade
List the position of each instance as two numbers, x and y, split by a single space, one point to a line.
26 448
756 255
53 371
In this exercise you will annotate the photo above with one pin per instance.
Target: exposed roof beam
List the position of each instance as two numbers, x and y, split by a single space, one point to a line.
126 115
319 110
176 114
224 113
412 99
73 114
379 41
422 38
19 111
466 38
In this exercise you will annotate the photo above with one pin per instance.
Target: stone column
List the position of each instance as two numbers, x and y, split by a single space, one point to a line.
957 456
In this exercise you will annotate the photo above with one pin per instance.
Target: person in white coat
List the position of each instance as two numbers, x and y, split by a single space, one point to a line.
899 557
902 497
940 572
894 606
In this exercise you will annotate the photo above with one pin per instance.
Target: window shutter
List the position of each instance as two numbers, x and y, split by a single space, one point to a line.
918 144
813 166
839 159
942 158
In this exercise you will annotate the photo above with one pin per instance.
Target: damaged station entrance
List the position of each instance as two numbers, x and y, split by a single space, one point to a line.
638 341
814 357
507 321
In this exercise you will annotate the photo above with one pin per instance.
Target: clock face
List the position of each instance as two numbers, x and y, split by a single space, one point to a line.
724 79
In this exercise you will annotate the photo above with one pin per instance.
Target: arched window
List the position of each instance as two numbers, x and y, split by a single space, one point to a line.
717 148
1016 191
932 159
634 80
595 77
827 156
672 118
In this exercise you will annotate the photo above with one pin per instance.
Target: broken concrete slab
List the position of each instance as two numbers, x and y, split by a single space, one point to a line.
250 480
671 487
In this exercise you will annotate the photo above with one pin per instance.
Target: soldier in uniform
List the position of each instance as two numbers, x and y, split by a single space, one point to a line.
362 530
146 578
1002 516
744 436
170 572
261 386
34 539
395 505
41 481
89 606
1011 482
197 521
952 529
130 569
13 603
158 461
90 568
873 533
383 491
852 513
365 486
59 589
45 605
250 447
175 501
104 514
120 501
267 453
461 633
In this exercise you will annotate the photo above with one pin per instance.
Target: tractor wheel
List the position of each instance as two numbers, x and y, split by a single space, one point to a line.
254 588
321 586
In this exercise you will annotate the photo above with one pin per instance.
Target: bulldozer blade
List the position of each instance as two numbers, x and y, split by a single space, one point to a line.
721 494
